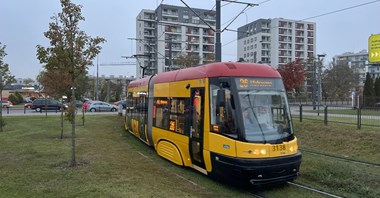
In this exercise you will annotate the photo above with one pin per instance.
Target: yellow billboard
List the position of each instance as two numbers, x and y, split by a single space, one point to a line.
374 48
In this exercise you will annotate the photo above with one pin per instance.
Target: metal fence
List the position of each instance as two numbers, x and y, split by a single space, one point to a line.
326 101
338 114
353 101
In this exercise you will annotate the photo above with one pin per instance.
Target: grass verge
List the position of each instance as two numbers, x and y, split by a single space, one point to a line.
112 163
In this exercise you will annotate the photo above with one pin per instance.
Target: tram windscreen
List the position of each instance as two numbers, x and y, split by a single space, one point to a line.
264 110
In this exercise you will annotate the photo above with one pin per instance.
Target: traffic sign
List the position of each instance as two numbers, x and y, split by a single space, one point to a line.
374 48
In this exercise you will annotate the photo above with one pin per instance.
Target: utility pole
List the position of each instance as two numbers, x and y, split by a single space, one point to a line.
218 44
317 72
137 56
218 30
314 84
320 62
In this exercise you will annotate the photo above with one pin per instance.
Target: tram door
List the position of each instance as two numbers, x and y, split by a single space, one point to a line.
196 126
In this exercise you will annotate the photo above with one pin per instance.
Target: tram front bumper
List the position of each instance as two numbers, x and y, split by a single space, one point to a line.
256 171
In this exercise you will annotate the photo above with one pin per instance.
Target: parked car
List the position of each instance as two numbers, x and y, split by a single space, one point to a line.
6 104
29 99
28 105
40 104
101 106
119 102
126 105
120 106
78 103
377 104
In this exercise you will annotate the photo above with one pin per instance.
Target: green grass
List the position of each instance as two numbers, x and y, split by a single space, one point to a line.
339 177
35 163
112 163
346 179
340 139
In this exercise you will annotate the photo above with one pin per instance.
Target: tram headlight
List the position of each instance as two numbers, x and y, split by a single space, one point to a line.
260 152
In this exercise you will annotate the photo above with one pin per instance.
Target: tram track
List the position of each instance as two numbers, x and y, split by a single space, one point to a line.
255 193
307 187
340 158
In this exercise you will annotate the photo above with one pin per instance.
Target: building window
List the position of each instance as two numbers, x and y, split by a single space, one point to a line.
195 21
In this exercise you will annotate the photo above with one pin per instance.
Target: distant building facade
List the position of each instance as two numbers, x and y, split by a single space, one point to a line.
170 31
276 41
359 63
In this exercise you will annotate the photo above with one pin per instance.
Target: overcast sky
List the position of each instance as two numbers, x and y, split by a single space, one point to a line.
23 22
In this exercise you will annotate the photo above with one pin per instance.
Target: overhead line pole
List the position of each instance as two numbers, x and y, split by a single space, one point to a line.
218 44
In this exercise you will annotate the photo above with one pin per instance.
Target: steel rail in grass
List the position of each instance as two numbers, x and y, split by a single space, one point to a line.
340 158
314 189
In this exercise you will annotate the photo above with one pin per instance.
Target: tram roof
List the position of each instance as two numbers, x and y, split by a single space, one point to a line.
218 69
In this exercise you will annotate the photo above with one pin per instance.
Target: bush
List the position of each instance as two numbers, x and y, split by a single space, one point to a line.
19 97
13 99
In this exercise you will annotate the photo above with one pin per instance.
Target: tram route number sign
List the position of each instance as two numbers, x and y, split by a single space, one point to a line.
374 48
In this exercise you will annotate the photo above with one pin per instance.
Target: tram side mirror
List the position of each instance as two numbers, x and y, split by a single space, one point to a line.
221 98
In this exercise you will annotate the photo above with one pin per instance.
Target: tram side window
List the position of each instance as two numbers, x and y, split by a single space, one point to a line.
142 102
177 117
129 103
161 113
222 118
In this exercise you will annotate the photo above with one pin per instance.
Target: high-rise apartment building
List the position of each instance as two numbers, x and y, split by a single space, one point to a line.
353 60
170 31
276 41
358 62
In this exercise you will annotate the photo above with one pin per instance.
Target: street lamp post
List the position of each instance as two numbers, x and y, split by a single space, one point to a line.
314 85
317 78
320 59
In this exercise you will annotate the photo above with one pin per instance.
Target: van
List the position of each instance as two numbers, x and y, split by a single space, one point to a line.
40 104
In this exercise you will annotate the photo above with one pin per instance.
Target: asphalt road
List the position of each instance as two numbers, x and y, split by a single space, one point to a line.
15 111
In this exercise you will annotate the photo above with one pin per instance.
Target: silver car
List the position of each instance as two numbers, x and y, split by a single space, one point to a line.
101 106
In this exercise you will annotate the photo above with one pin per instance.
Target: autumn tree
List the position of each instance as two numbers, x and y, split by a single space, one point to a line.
5 78
293 74
339 80
67 58
187 60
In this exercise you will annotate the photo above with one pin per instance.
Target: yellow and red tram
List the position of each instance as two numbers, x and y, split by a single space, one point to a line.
228 120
